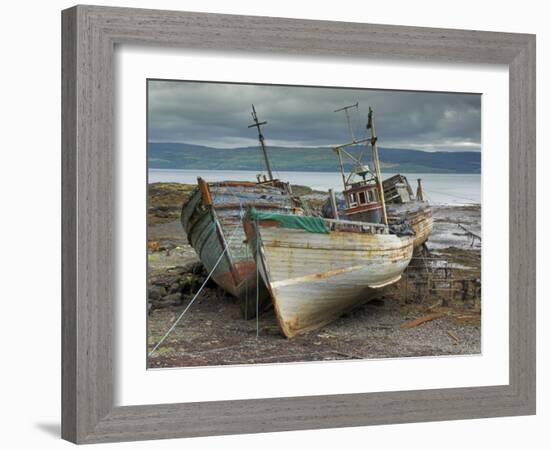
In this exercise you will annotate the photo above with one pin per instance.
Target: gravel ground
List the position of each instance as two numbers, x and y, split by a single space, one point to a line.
213 332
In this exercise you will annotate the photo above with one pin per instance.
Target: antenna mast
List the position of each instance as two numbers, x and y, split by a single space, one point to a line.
348 118
257 124
341 149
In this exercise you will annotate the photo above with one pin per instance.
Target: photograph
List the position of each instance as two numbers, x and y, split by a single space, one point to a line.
294 223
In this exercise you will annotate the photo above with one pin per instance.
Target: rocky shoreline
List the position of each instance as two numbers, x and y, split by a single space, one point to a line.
213 332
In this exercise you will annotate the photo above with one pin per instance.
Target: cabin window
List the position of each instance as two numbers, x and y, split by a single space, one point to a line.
371 196
362 199
352 199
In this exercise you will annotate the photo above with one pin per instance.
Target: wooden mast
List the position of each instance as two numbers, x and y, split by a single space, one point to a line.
257 124
376 162
342 172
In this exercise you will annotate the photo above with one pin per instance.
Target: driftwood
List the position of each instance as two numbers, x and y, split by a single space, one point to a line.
454 336
470 233
420 320
435 305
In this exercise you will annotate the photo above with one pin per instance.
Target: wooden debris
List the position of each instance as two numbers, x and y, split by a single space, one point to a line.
454 336
346 355
420 320
469 232
435 305
472 315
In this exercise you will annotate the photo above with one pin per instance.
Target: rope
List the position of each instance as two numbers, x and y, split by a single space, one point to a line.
196 295
257 277
452 196
277 174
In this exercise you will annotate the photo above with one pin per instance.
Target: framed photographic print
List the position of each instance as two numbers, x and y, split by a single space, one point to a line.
291 224
321 240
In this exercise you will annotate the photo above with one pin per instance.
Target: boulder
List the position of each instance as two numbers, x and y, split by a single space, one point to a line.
172 299
156 292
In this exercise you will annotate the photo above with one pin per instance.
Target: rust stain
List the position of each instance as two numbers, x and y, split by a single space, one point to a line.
245 268
269 223
226 281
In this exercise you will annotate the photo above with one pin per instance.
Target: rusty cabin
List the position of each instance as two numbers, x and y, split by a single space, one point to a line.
363 201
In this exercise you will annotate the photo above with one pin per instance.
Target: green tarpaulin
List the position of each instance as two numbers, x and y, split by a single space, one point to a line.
309 223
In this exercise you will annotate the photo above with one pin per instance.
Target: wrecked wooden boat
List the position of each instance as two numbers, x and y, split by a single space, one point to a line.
360 201
316 269
212 219
403 206
366 197
417 215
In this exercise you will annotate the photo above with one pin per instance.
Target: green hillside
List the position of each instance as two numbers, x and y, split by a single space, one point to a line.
188 156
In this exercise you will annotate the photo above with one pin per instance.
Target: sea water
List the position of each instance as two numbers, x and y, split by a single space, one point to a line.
451 189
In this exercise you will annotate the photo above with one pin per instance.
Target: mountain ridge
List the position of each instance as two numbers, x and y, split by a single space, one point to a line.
171 155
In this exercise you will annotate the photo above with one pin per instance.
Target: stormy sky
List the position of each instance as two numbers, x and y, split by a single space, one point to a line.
217 115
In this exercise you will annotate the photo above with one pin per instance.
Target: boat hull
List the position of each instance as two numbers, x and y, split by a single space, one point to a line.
212 220
313 278
418 214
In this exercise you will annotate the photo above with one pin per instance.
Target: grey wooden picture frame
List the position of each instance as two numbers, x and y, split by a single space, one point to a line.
90 34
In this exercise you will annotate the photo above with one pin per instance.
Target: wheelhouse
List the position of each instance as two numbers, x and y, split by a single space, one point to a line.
363 202
360 195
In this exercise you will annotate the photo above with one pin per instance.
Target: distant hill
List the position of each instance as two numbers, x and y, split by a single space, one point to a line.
188 156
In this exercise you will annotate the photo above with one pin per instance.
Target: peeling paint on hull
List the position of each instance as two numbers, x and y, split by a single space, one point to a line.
422 226
313 278
210 228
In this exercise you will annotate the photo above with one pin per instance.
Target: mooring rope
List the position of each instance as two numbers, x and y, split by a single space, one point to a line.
196 295
452 196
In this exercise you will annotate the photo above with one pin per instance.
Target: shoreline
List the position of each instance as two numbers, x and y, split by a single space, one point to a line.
439 188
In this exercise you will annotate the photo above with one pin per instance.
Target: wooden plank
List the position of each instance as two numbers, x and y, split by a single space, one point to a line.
420 320
453 336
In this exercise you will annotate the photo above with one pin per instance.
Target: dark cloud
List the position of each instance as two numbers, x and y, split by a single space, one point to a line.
218 114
